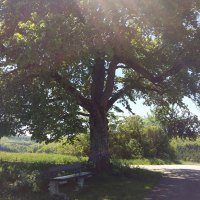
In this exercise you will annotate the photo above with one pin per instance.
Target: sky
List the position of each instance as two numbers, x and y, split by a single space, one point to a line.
139 109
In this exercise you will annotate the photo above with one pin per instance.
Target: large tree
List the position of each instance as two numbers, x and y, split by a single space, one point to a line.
64 59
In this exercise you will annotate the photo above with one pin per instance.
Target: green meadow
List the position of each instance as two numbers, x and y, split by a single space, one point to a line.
40 158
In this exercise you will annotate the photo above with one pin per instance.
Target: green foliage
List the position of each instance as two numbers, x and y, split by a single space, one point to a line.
29 181
124 140
79 146
61 147
22 177
58 62
187 150
16 144
155 143
136 137
40 158
143 161
122 146
177 121
131 138
48 59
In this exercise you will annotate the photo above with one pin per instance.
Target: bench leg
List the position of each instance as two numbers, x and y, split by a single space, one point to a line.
54 190
81 182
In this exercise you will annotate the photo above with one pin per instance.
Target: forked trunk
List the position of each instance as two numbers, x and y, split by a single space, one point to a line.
99 150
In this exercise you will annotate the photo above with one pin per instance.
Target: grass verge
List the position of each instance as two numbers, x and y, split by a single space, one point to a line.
189 162
145 161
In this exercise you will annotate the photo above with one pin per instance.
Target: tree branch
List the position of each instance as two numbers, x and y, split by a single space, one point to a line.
82 101
172 71
110 81
66 85
129 86
60 99
98 79
122 67
179 64
83 114
140 69
79 113
116 96
2 48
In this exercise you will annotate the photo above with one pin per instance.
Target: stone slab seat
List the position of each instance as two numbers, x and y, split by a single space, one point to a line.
71 176
78 176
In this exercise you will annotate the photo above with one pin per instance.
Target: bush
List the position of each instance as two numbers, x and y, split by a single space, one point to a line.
134 138
81 145
187 150
155 143
124 147
125 141
16 177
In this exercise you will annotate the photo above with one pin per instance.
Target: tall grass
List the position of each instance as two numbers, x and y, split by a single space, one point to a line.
40 158
66 159
187 150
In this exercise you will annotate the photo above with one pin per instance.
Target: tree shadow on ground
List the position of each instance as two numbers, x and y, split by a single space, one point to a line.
177 184
129 184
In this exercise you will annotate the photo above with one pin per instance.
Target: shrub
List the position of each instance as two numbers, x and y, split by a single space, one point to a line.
155 143
186 149
135 138
122 146
16 177
81 145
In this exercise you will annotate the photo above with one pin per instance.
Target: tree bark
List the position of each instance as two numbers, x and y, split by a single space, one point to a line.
99 148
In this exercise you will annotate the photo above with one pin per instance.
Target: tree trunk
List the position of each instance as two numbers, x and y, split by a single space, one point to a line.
99 150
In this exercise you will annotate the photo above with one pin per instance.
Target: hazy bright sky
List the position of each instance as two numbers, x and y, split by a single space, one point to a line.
139 109
143 110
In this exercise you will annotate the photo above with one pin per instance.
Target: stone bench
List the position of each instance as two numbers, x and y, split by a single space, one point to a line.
78 175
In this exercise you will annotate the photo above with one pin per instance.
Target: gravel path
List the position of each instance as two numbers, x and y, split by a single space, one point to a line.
180 182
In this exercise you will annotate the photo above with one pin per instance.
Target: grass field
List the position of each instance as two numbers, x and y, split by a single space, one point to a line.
23 178
64 159
40 158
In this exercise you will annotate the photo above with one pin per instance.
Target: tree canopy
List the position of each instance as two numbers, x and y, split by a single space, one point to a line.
64 59
178 122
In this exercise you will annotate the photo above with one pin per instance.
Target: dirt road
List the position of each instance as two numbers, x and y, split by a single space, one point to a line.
180 182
